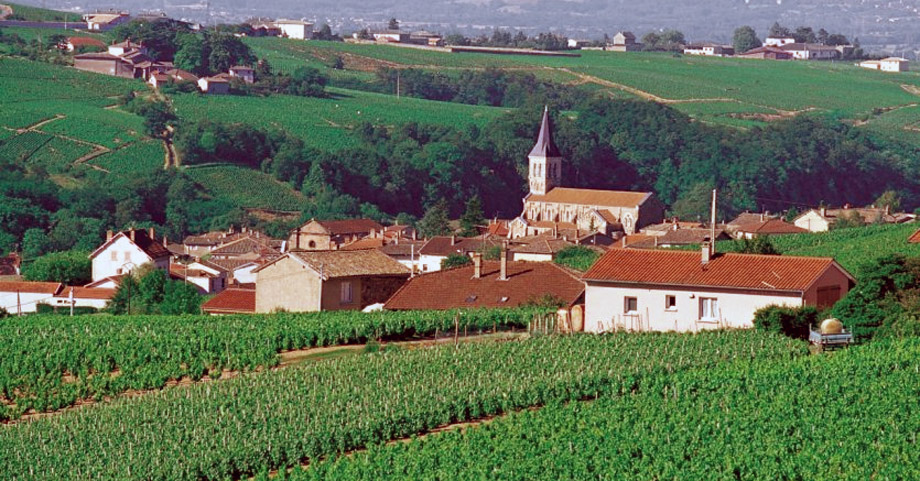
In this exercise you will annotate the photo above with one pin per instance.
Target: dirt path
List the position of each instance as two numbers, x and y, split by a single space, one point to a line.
38 125
288 359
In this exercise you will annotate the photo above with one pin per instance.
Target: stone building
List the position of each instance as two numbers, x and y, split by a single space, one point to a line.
549 207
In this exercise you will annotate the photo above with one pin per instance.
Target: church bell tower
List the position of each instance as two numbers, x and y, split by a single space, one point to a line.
545 160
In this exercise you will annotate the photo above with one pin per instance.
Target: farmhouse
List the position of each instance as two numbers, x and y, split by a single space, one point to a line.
549 206
767 227
771 53
297 29
208 278
246 74
811 51
778 41
216 85
441 247
709 50
823 219
235 300
84 43
624 42
239 271
327 280
423 37
105 20
174 75
104 63
890 64
489 284
331 234
391 36
660 290
127 250
24 297
96 298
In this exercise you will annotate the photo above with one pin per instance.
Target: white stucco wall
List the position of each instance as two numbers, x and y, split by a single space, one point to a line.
604 308
126 257
296 31
430 263
812 221
244 274
522 256
27 301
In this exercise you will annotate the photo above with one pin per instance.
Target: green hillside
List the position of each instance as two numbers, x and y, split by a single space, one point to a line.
739 92
36 14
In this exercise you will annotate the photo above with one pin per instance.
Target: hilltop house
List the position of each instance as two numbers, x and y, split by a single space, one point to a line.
811 51
297 29
331 234
770 53
489 284
246 74
549 206
105 20
123 252
124 59
889 64
215 85
709 50
661 290
624 42
327 280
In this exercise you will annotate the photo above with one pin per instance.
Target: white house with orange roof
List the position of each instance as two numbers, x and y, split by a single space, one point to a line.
123 252
687 291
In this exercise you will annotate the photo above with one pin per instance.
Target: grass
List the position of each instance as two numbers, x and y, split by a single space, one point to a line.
137 158
35 14
247 188
327 123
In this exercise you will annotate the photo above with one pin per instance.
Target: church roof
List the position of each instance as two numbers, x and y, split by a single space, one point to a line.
545 147
601 198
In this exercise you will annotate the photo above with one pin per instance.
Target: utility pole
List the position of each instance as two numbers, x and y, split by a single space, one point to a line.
712 225
397 84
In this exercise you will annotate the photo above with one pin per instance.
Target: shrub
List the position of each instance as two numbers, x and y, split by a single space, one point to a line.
791 321
455 260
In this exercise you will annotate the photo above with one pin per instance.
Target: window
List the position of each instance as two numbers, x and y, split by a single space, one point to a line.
127 257
709 308
312 244
670 303
631 305
347 293
114 255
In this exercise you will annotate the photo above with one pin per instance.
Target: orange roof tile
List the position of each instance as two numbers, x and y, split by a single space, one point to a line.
772 226
232 301
31 287
733 271
90 293
604 198
914 238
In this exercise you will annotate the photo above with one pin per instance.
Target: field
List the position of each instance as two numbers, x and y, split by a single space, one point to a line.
847 416
326 124
252 423
262 191
725 91
51 362
35 14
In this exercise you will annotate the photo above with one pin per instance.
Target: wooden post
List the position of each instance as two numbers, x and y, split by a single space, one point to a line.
457 329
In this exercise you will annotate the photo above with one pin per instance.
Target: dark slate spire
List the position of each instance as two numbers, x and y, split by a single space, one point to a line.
545 146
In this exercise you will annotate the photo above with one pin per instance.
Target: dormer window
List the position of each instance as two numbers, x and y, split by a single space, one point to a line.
471 298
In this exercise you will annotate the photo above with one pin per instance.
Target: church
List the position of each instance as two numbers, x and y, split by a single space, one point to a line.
550 207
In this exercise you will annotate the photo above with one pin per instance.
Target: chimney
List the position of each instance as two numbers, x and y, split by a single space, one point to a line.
762 217
165 242
453 239
477 265
707 252
131 234
823 211
503 276
108 235
555 230
887 210
624 242
152 233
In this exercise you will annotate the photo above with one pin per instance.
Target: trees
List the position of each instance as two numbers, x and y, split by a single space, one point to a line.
393 24
190 54
744 39
758 245
212 52
307 82
150 291
889 199
159 37
472 217
68 267
779 31
436 220
666 41
455 260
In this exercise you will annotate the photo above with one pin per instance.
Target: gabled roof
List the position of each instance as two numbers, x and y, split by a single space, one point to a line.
350 226
545 147
89 293
602 198
543 244
690 236
229 265
456 288
366 243
232 301
729 271
85 42
333 264
246 245
142 240
771 226
444 246
914 238
747 218
31 287
105 280
403 248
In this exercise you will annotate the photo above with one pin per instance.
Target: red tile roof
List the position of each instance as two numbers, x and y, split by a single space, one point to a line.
914 238
85 42
443 245
89 293
362 244
31 287
603 198
733 271
350 226
772 226
456 288
232 301
154 249
333 264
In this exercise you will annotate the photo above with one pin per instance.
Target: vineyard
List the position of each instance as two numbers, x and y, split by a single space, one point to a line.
262 191
847 416
51 362
252 423
138 158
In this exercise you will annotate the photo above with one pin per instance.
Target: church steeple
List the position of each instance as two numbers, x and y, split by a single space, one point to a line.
545 160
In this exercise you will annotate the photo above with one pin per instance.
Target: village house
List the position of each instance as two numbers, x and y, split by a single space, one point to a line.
624 42
549 206
890 64
391 36
296 29
684 291
252 247
124 59
767 228
331 234
405 251
540 248
95 298
769 53
709 50
745 218
17 297
246 74
215 85
491 284
84 43
169 76
235 300
327 280
239 271
105 20
823 219
439 248
207 277
811 51
778 41
681 237
423 37
123 252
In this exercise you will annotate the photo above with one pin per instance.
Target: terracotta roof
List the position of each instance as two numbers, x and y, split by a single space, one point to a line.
914 238
732 271
542 245
350 226
498 228
690 236
31 287
441 245
634 240
548 224
114 279
747 218
98 56
772 226
230 264
182 75
85 42
604 198
332 264
246 245
89 293
241 68
456 288
154 249
232 301
181 271
545 147
366 243
403 248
